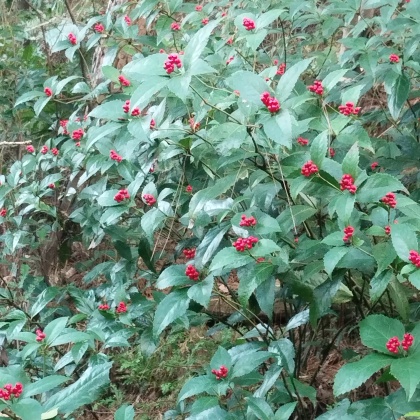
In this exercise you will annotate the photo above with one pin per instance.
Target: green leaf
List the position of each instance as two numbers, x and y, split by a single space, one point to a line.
376 186
384 255
351 161
249 85
197 43
404 240
227 259
28 96
84 391
111 110
201 291
172 276
200 198
221 357
414 279
250 278
209 244
285 411
376 330
332 78
260 408
333 257
286 353
146 91
44 298
279 128
43 385
290 77
406 370
319 148
27 409
169 309
399 297
40 104
125 412
97 133
398 96
55 328
300 214
249 362
145 253
195 386
110 73
352 375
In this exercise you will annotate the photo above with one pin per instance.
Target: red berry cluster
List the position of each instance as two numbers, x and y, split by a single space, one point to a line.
103 307
55 151
126 107
121 196
44 150
309 168
393 345
63 124
331 151
127 20
220 373
348 233
3 212
188 189
9 391
388 230
77 134
199 8
374 165
115 156
135 112
48 91
205 21
172 61
51 186
390 200
349 109
316 87
192 272
272 104
241 244
229 41
149 199
189 253
347 183
393 58
72 39
247 221
121 308
30 148
302 141
415 258
99 28
229 60
152 124
195 126
39 335
249 24
123 80
407 342
282 68
175 26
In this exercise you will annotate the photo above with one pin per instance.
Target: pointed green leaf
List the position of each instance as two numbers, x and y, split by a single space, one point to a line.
352 375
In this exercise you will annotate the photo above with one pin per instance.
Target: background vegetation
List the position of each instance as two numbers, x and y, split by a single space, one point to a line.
209 210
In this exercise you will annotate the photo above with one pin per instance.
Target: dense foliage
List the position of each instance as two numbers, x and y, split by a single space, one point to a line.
260 154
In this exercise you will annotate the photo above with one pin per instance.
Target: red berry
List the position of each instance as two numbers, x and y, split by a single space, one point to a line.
124 81
393 58
249 24
48 91
309 168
